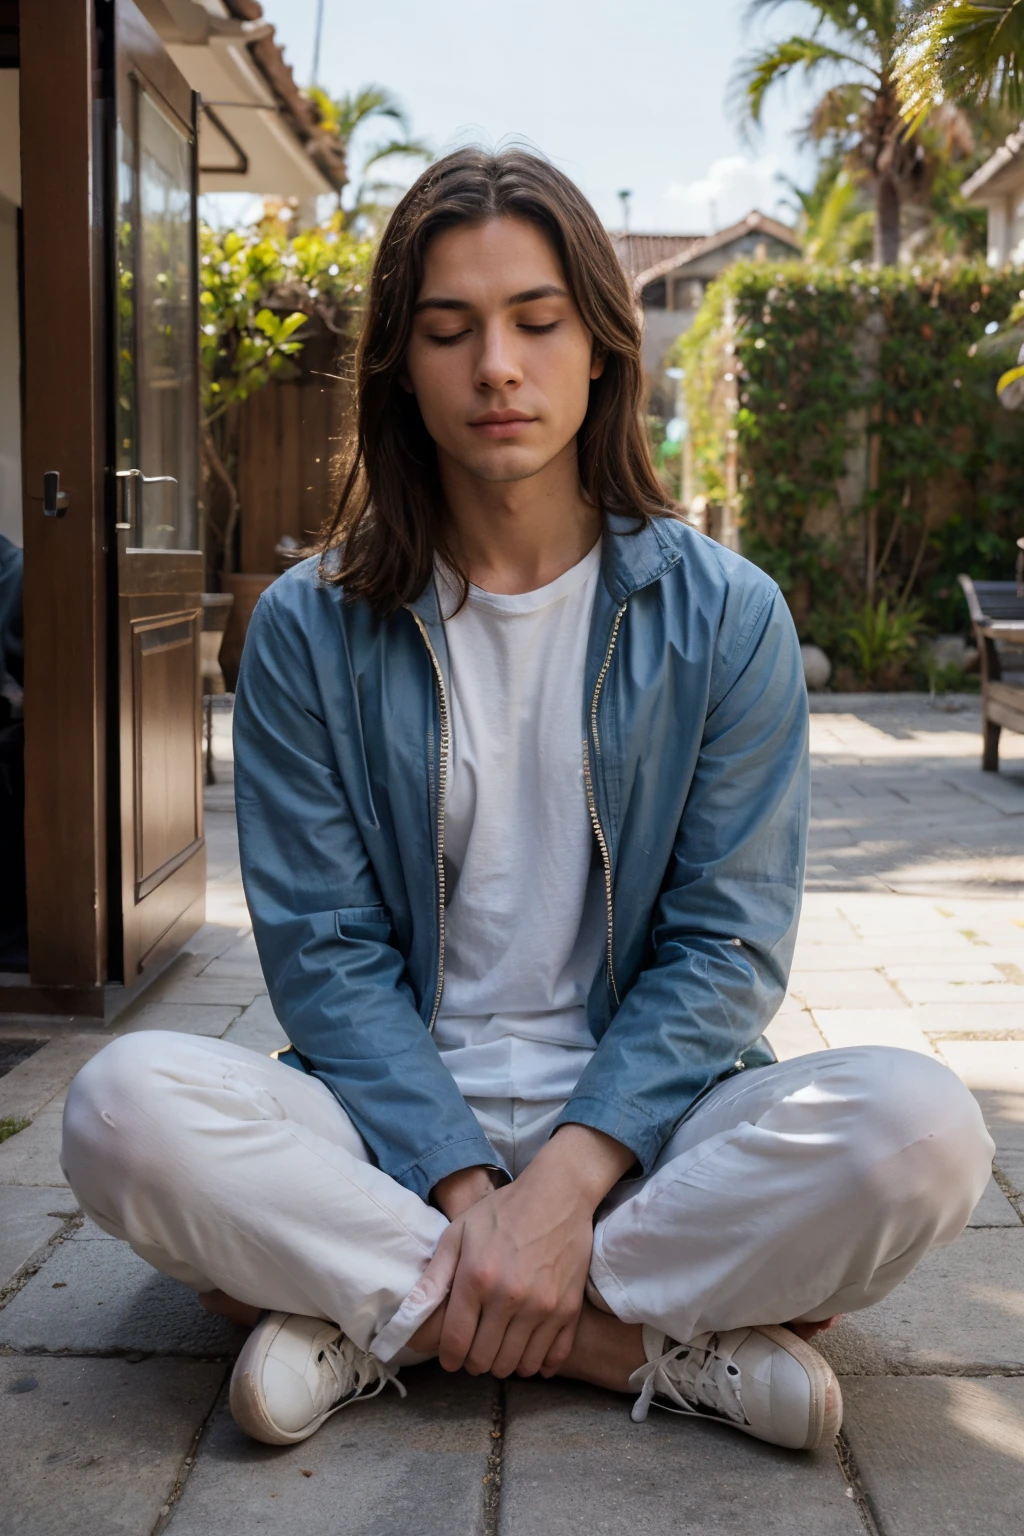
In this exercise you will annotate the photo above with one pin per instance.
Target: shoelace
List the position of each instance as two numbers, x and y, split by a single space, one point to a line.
696 1375
354 1370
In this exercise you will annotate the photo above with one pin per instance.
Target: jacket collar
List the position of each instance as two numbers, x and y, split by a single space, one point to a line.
630 559
635 557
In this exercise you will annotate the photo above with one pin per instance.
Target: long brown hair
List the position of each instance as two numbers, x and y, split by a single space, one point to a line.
389 523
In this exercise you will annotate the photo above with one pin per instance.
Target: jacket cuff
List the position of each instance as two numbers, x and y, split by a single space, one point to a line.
619 1119
432 1166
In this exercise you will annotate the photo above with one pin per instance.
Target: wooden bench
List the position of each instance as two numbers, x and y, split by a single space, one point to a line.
997 613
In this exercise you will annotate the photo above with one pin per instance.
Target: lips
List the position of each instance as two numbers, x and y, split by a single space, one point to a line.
501 424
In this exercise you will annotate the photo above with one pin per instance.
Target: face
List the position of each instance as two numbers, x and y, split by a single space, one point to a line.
499 359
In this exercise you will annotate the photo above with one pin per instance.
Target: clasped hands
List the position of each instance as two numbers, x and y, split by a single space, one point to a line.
514 1260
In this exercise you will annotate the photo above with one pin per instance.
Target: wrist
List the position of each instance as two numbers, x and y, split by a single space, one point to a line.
456 1192
582 1163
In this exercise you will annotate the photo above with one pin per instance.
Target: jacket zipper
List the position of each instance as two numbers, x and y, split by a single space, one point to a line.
442 785
602 841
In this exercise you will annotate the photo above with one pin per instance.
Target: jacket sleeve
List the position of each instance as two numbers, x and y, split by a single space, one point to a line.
725 921
336 980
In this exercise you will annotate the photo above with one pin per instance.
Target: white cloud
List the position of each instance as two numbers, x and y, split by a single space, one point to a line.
728 190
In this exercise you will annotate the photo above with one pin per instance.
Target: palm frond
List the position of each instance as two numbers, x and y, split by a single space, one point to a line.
759 72
838 112
965 52
417 148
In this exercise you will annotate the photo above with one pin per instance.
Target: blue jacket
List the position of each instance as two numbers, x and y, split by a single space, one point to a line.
694 731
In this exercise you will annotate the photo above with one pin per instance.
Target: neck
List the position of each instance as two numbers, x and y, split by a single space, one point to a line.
517 535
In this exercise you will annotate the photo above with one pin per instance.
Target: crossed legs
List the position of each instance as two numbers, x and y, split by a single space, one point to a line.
790 1193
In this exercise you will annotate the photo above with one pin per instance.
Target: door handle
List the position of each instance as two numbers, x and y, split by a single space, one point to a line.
55 501
133 478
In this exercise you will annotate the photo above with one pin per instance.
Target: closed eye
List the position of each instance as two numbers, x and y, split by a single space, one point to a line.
540 330
448 341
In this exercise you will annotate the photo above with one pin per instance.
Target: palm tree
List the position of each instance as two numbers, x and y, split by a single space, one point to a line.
345 116
857 45
968 53
833 220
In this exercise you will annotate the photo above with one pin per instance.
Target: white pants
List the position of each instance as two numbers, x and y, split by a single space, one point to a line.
789 1192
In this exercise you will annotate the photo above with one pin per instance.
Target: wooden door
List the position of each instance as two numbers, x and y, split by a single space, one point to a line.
66 557
159 558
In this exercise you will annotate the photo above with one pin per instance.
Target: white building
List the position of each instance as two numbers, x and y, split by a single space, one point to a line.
998 186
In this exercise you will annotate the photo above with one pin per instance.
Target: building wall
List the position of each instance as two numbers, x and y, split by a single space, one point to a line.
684 288
10 320
1006 228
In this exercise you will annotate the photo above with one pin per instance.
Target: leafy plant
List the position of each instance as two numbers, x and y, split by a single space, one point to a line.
345 116
870 456
884 639
258 288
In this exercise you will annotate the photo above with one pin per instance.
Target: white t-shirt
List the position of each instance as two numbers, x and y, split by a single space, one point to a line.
525 920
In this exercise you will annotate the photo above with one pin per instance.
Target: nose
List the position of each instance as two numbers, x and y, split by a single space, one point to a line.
497 366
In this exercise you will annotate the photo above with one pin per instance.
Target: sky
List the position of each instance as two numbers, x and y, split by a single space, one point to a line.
621 94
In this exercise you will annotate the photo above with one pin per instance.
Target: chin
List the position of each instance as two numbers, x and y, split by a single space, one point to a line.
506 464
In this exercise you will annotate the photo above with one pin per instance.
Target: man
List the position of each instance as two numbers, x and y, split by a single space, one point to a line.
521 774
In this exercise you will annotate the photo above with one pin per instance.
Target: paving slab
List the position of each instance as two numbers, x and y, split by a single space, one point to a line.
89 1232
845 989
575 1462
975 997
241 959
852 955
939 1457
794 1034
94 1447
994 1209
25 1090
33 1155
29 1218
994 1072
196 1018
961 1311
216 990
100 1297
386 1467
968 970
899 1027
257 1029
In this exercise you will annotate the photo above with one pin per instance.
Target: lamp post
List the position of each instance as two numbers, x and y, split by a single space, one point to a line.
318 33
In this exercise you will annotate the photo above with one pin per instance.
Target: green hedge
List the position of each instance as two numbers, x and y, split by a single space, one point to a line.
817 358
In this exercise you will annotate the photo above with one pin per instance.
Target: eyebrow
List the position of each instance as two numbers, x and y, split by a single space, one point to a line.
543 291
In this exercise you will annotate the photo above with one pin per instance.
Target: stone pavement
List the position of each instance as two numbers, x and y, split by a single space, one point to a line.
112 1380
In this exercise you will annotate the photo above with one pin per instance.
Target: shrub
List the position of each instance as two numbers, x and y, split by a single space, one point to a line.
872 461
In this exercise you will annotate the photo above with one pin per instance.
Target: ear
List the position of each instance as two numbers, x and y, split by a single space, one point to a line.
598 358
405 382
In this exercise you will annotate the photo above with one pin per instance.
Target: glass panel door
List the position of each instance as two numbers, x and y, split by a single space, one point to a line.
159 563
156 351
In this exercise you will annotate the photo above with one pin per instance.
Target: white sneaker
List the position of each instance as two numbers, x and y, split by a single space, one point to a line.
294 1372
764 1381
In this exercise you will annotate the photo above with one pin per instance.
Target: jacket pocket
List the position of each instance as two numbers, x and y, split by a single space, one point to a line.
363 923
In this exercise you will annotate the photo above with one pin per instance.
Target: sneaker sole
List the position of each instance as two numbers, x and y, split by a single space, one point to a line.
246 1401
